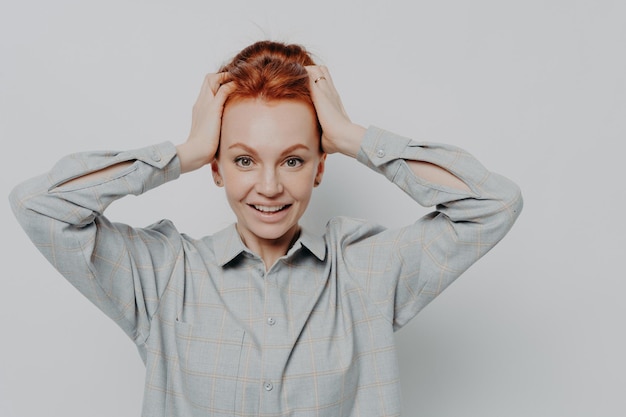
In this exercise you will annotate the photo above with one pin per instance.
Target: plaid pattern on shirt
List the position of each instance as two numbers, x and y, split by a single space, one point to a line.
220 335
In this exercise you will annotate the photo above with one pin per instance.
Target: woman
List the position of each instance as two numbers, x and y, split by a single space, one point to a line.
264 318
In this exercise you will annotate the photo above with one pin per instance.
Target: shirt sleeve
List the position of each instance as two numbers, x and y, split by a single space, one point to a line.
122 270
402 270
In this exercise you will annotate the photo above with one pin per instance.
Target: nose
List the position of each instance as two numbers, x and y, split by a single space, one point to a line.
269 183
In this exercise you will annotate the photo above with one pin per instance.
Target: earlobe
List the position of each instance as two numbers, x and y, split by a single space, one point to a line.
217 177
320 170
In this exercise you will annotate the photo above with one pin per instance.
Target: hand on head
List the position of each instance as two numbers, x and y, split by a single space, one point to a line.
271 71
203 141
207 111
339 134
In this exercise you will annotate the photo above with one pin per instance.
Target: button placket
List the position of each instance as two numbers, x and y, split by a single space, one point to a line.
273 312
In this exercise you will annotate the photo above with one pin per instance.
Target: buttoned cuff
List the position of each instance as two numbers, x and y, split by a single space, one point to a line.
380 147
160 164
162 156
156 155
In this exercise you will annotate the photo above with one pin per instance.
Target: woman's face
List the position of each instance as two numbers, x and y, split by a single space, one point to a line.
269 161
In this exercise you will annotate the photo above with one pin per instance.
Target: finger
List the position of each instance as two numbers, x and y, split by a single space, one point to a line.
325 73
221 79
325 84
224 91
311 69
224 77
205 88
206 82
328 79
321 79
212 82
315 74
217 79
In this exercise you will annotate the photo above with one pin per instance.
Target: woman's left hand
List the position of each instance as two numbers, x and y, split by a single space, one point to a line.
339 134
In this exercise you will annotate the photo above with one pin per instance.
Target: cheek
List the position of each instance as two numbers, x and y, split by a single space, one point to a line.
236 184
301 185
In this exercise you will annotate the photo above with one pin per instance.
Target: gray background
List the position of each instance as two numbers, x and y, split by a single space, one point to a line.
535 89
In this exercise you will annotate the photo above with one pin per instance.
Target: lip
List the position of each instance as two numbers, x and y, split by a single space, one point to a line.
273 212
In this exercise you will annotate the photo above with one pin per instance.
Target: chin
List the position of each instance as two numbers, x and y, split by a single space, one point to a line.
271 233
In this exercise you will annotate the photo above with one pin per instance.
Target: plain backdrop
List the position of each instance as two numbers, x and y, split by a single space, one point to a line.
534 89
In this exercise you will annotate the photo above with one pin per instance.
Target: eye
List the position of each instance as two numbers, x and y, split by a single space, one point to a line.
243 161
293 162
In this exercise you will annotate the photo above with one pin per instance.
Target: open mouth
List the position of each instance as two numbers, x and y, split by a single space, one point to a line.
269 209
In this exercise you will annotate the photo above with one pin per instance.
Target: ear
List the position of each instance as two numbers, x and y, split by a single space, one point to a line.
215 170
320 170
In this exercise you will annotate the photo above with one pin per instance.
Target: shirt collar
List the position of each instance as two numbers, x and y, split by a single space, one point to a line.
227 245
314 243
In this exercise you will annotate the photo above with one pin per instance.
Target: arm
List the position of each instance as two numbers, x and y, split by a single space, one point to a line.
403 270
202 143
122 270
416 263
343 136
107 262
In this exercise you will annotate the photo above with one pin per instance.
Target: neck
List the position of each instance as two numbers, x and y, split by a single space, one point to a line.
271 249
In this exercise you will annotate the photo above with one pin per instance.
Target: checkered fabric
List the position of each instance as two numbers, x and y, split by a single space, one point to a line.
222 336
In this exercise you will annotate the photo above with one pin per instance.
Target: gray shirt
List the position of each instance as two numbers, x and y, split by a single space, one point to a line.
220 335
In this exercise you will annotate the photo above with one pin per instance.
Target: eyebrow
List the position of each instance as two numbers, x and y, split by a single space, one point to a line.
253 152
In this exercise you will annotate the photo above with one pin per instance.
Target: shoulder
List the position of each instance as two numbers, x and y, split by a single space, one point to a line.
162 233
343 230
163 227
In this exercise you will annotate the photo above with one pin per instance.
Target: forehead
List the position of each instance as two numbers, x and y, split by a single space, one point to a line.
262 124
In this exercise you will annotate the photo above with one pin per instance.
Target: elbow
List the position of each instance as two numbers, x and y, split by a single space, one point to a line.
515 202
17 198
25 200
511 205
515 206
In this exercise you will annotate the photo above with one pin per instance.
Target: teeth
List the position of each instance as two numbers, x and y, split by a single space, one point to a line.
269 209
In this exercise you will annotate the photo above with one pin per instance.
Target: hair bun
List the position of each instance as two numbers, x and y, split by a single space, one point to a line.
271 71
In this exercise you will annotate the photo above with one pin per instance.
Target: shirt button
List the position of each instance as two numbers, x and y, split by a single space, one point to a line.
380 153
268 386
271 321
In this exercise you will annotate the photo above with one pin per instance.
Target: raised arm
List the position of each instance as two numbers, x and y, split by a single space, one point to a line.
403 270
201 146
203 141
62 213
121 269
341 135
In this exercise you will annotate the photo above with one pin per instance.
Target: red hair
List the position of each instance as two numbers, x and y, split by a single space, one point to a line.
270 71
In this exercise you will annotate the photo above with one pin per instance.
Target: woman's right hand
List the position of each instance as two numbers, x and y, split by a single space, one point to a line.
206 122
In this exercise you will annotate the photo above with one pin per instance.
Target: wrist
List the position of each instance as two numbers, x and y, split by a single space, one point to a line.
351 140
193 156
